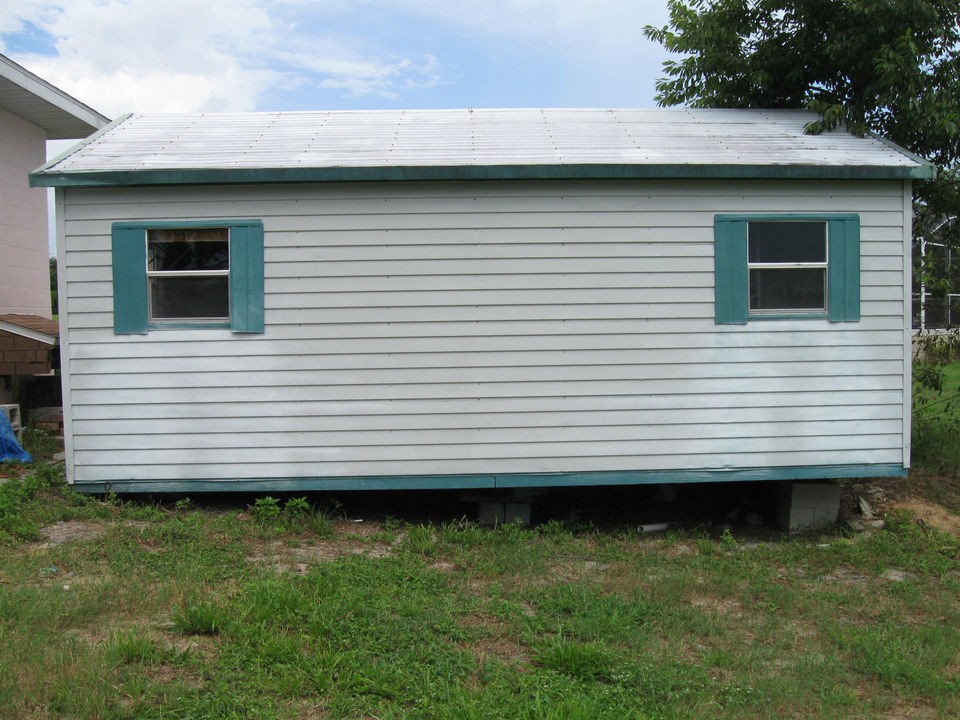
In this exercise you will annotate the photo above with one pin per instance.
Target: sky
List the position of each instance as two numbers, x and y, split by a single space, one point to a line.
122 56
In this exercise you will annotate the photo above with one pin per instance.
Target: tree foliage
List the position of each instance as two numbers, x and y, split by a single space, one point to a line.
891 67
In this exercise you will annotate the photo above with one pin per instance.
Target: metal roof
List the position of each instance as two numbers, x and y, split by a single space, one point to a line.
37 101
472 144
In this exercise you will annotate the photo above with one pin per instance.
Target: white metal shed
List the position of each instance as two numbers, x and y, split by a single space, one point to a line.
481 299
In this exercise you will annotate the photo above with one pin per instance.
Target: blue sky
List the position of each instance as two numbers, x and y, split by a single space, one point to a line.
241 55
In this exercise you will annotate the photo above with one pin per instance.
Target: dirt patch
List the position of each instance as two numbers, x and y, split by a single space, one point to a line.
930 514
845 576
727 607
576 569
284 558
499 649
70 531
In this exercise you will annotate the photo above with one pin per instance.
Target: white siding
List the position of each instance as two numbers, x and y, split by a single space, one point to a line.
484 328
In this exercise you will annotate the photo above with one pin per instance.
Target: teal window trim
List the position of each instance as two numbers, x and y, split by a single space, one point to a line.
128 244
731 279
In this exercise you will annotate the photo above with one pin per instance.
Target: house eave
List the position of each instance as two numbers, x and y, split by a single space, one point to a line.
414 173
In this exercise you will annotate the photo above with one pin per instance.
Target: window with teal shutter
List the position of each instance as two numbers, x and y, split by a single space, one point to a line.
187 274
790 266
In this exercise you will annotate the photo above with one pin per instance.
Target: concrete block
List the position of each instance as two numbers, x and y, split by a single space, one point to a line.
492 513
803 506
13 417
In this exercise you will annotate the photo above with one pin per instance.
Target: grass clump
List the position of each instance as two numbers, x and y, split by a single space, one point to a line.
936 404
19 498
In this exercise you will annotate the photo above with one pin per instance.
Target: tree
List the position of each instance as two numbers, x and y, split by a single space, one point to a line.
891 67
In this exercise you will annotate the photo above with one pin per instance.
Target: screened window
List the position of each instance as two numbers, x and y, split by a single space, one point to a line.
788 266
170 275
188 274
800 266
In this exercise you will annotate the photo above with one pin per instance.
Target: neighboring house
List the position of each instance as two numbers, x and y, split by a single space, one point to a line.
32 111
482 299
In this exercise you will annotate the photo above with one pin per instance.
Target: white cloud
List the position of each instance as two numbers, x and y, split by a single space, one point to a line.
230 55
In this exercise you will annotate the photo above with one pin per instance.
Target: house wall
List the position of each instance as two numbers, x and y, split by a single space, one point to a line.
483 328
24 265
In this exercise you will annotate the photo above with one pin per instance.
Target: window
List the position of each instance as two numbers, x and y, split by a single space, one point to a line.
786 266
188 274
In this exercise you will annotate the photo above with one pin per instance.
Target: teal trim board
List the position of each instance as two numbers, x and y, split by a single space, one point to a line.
481 481
599 171
130 312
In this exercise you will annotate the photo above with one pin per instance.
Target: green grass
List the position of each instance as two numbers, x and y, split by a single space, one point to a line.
181 611
936 433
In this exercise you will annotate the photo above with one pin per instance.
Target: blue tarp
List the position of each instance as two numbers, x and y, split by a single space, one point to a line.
9 447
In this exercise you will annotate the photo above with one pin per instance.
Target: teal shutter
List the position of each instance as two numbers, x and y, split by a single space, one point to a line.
730 271
843 274
246 278
129 281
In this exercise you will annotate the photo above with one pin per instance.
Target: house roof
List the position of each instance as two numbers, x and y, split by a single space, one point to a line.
472 144
34 327
37 101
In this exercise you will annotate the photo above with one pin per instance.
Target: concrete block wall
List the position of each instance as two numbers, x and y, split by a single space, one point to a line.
23 356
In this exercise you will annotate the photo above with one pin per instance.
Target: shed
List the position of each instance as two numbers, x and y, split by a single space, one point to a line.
481 299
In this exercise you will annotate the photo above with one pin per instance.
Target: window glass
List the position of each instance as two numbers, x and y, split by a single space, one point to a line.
787 263
787 289
203 249
788 242
189 297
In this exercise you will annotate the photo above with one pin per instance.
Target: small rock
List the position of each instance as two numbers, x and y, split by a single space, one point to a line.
874 523
856 525
865 508
59 457
895 575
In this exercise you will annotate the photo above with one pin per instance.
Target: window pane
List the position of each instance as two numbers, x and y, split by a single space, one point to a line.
788 289
173 298
188 249
788 242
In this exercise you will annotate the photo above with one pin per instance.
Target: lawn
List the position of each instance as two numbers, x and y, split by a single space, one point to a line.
118 609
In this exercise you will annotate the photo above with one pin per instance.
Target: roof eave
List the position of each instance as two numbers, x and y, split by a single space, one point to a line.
30 333
226 176
36 96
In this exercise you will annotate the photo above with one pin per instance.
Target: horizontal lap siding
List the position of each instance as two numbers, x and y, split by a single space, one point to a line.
484 328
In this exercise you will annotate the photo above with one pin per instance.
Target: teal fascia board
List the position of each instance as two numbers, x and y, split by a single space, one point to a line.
491 482
599 171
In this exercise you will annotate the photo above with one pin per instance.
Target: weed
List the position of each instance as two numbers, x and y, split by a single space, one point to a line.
297 506
266 509
578 660
132 648
183 504
727 541
420 540
199 618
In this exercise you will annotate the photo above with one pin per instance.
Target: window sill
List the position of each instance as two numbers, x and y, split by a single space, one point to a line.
187 326
788 316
